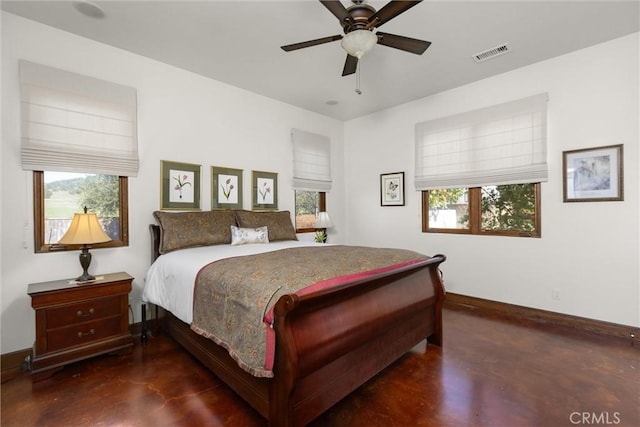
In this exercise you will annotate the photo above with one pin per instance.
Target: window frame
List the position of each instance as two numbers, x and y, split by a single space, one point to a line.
322 207
39 216
475 217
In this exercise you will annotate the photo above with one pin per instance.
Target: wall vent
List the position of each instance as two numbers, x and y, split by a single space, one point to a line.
491 53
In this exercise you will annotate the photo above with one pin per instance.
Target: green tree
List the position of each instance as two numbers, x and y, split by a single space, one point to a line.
306 202
508 207
441 199
99 193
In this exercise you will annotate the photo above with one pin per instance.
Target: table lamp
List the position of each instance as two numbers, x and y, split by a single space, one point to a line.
85 230
323 221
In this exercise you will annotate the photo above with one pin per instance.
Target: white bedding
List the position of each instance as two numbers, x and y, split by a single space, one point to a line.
170 280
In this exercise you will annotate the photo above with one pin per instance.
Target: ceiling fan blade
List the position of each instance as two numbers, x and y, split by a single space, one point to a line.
350 65
391 10
310 43
403 43
337 8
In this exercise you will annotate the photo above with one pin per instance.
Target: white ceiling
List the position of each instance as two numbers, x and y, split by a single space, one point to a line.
238 42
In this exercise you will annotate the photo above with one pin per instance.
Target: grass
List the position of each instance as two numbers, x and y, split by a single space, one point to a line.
61 204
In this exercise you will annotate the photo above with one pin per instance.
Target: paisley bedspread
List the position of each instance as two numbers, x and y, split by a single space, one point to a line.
233 295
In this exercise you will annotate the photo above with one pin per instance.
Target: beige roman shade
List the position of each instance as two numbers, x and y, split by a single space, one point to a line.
497 145
75 123
311 161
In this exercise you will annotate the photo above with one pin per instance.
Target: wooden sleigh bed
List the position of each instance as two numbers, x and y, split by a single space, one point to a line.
328 342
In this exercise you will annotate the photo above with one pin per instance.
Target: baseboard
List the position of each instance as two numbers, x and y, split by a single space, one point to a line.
583 324
13 364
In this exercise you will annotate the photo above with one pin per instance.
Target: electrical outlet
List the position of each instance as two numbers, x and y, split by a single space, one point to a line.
555 294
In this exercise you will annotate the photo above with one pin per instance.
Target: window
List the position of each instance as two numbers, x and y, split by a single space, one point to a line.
311 176
308 204
505 210
79 137
480 171
57 196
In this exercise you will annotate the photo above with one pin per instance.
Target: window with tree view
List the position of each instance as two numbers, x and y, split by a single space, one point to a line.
308 204
508 210
58 195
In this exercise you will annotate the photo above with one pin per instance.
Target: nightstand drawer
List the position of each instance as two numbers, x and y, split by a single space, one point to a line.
83 333
82 312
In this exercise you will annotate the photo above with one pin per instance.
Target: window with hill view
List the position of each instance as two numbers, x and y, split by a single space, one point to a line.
58 195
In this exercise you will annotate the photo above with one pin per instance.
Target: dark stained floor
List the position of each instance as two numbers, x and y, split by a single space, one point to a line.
491 371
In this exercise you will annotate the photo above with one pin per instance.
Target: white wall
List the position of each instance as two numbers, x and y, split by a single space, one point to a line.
181 117
588 251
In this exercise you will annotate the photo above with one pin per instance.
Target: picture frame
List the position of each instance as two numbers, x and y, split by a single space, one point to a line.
179 186
392 189
264 195
226 188
593 174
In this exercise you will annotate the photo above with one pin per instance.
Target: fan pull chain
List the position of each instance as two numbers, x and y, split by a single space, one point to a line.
358 91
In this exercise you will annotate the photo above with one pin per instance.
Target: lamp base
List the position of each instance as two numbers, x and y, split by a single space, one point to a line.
85 278
85 262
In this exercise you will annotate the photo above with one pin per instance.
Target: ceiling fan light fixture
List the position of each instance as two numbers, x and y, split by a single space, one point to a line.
359 42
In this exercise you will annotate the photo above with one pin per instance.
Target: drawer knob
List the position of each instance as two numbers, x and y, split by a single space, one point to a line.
85 334
81 314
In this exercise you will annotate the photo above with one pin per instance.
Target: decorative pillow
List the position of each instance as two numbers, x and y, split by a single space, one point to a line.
189 229
241 236
278 223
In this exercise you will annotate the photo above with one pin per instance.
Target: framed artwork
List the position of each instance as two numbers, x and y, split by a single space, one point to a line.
264 195
179 186
593 174
392 189
226 188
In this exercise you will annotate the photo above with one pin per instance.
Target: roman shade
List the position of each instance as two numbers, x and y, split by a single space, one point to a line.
498 145
311 161
75 123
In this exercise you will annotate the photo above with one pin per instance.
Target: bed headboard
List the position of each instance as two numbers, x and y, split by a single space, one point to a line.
155 241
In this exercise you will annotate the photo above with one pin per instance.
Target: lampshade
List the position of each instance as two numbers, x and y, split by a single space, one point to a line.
323 220
359 42
85 229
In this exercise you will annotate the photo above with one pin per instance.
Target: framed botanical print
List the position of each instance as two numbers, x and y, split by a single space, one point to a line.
180 186
593 174
392 189
226 188
264 195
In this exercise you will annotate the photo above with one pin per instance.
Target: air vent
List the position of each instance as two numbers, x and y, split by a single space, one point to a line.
491 53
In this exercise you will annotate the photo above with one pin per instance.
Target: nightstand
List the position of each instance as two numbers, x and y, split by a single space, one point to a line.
76 321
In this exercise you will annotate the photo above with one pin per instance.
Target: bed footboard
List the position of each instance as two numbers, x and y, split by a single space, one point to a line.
331 342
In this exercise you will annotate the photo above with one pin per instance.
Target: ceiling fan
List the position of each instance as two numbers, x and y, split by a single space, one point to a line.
359 22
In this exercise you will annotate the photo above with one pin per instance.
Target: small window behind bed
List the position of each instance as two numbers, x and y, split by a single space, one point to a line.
308 204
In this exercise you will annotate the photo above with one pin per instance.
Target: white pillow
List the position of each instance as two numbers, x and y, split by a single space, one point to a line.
241 236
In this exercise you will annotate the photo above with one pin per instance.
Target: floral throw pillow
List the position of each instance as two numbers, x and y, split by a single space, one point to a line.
242 236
